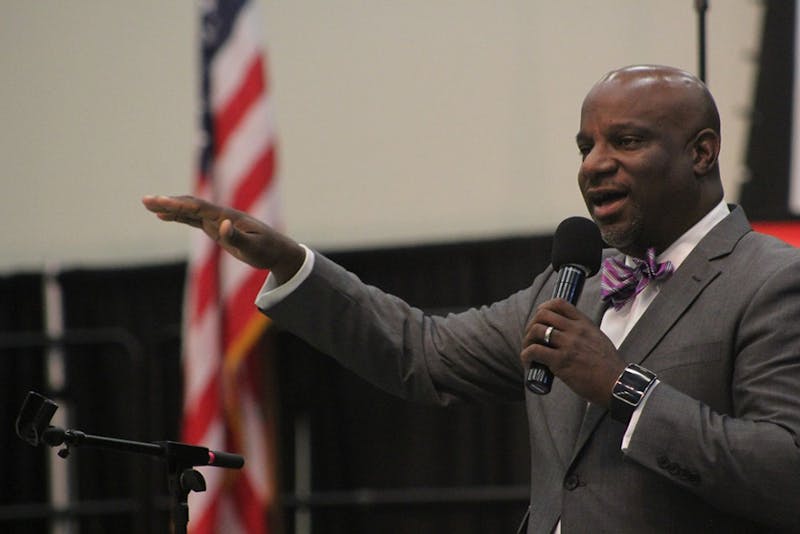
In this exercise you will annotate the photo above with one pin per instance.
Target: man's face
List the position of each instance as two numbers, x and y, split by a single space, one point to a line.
636 172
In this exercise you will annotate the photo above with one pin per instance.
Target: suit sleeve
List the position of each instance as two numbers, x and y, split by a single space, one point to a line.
746 462
470 355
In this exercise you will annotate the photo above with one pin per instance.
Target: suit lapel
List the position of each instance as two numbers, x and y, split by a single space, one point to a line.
697 271
667 307
675 297
677 294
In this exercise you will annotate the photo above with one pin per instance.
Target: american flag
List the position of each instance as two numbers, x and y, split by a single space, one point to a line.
223 405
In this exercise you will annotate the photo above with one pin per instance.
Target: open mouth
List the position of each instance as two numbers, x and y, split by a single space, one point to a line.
606 202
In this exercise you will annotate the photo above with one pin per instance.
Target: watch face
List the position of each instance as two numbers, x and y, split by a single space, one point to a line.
627 396
629 391
633 384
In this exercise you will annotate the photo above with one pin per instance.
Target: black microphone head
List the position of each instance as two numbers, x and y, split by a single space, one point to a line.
577 241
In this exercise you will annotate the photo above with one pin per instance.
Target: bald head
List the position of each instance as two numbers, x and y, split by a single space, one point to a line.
685 99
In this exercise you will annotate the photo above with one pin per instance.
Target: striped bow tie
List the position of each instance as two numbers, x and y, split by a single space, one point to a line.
620 283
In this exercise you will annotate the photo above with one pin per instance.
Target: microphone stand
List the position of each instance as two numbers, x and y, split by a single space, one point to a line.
33 426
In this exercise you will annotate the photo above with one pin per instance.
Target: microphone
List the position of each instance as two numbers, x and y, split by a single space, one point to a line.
225 459
577 251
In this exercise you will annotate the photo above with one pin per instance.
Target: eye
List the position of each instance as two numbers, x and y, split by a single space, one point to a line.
629 142
584 149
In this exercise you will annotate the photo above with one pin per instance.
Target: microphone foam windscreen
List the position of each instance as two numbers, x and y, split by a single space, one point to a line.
577 241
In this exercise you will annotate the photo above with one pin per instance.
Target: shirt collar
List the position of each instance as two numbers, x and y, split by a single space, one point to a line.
683 246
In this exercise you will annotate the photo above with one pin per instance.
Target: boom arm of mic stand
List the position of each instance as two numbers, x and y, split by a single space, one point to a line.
181 460
33 426
174 452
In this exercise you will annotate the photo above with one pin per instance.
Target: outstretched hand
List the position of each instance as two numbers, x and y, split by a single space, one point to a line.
243 236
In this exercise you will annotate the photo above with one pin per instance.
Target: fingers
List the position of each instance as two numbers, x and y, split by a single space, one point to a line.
186 210
558 313
164 204
540 353
548 334
179 206
562 307
577 352
541 333
178 209
243 236
542 319
549 329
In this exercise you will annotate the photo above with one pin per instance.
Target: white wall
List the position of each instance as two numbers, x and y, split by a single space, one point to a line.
399 122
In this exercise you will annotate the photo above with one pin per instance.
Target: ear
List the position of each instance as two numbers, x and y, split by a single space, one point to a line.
705 151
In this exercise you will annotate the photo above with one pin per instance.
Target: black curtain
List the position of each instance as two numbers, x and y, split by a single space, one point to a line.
122 350
765 195
22 343
123 379
365 438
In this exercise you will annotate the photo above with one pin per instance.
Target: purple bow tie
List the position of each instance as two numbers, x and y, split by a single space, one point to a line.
620 283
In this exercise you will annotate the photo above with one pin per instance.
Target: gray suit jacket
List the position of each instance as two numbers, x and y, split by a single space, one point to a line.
716 447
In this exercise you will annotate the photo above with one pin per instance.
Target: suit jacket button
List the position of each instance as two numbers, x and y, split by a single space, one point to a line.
571 482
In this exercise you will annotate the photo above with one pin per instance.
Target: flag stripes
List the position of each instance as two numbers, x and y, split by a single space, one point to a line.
251 90
223 396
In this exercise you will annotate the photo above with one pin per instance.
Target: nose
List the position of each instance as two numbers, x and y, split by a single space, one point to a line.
598 162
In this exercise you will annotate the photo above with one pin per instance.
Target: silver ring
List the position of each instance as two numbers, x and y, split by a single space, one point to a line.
547 334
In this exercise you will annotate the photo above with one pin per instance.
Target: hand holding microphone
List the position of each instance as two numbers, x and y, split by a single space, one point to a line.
577 253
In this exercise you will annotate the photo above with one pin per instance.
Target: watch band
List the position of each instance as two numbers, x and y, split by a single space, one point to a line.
631 387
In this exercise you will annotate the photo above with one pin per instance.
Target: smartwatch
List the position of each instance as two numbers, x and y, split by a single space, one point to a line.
628 392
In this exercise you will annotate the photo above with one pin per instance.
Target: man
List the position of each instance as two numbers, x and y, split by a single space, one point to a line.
692 378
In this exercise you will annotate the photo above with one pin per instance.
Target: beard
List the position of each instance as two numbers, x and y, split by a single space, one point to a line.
624 237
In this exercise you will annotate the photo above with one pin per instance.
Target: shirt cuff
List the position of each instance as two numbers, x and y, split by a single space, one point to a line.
272 293
626 439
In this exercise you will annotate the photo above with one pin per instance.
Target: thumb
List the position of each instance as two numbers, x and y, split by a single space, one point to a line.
229 235
240 244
